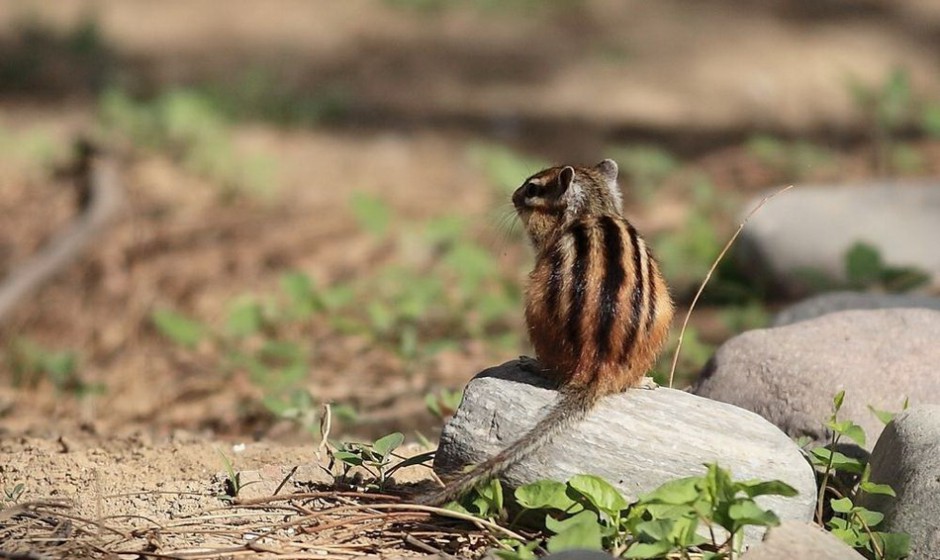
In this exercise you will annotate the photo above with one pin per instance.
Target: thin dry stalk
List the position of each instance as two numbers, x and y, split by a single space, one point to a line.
701 288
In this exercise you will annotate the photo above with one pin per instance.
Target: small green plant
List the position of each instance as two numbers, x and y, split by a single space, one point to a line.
865 269
854 524
793 160
12 495
31 363
376 458
233 482
444 403
186 125
264 338
889 108
702 516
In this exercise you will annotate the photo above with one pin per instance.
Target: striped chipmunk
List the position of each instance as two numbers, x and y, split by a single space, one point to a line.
597 308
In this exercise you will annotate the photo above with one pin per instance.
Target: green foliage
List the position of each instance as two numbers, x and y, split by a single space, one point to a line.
794 160
890 108
262 94
178 328
854 524
644 168
263 337
31 363
12 495
233 482
375 458
865 268
187 125
588 512
444 287
444 403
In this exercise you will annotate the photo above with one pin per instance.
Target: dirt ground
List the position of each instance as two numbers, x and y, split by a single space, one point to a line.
422 91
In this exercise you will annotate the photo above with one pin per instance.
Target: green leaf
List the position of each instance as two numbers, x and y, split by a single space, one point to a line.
841 505
863 265
883 415
894 546
872 488
244 318
747 512
548 494
837 400
767 488
348 458
300 293
372 213
178 328
581 531
385 445
870 518
849 429
679 491
489 498
840 462
601 493
648 550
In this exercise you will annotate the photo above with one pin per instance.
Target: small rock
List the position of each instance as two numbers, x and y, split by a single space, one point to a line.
636 440
844 301
798 540
811 228
907 457
789 374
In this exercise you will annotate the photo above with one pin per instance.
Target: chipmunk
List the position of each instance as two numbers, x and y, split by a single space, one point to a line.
597 308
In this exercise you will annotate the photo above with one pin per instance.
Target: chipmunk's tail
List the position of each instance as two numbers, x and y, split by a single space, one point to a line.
571 407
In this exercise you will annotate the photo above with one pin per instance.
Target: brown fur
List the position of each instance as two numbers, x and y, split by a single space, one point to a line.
597 309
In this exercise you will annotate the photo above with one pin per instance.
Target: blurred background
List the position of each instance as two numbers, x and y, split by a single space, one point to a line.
316 194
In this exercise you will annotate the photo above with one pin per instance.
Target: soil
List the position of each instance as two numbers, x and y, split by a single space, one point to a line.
422 90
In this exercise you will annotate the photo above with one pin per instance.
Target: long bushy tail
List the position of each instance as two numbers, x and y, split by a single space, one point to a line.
571 407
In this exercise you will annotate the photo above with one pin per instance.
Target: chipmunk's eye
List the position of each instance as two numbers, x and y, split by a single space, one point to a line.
531 190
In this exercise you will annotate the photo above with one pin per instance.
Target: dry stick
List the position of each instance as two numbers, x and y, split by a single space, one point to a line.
421 545
701 288
105 200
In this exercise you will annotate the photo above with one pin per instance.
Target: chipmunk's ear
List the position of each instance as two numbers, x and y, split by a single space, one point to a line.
565 177
608 170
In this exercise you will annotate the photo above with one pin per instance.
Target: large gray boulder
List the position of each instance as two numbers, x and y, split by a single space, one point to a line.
636 440
811 228
795 540
823 304
907 457
789 374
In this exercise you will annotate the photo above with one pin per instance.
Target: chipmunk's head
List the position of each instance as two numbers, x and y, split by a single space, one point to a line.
556 196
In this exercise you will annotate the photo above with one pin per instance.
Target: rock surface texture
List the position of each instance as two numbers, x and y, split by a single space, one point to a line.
636 440
794 540
789 374
907 457
824 304
811 228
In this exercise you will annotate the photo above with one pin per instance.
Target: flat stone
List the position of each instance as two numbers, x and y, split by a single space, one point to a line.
789 374
822 304
636 440
907 457
800 540
808 231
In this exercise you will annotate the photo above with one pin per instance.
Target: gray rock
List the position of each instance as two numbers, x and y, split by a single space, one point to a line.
844 301
907 457
800 540
811 228
637 440
789 374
